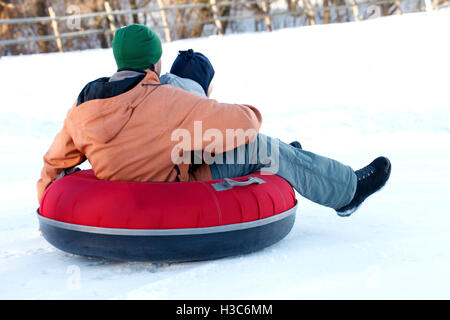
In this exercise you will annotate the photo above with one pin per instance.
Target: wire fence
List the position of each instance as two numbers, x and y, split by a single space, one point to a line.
311 14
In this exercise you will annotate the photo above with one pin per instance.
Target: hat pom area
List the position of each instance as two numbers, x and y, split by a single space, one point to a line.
194 66
190 53
187 54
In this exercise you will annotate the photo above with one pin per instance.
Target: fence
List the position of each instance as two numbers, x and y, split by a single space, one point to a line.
304 9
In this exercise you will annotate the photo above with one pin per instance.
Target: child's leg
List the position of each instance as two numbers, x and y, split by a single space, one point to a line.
317 178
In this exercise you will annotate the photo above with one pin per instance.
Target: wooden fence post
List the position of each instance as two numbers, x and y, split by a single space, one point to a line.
110 17
309 12
267 20
52 14
399 8
355 10
164 20
215 15
326 12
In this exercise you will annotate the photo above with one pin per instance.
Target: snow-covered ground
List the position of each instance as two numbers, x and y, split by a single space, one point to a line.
348 91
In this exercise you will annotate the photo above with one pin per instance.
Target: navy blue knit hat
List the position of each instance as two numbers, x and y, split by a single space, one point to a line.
194 66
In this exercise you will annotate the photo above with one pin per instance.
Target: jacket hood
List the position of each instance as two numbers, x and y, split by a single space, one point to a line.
103 108
183 83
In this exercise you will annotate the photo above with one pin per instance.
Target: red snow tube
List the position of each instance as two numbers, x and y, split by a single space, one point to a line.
158 222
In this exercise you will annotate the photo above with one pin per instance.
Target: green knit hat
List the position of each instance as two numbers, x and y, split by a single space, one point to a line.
136 47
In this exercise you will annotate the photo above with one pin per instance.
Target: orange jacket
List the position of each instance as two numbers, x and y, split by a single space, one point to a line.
129 136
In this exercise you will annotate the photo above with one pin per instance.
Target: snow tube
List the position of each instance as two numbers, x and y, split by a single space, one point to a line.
166 222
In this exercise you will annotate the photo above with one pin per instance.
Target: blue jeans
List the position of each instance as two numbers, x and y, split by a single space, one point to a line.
322 180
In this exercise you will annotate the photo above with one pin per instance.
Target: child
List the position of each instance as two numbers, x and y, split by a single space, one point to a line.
191 71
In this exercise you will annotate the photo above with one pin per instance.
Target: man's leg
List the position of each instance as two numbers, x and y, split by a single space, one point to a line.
322 180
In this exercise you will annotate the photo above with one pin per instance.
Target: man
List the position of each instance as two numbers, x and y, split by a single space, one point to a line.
125 127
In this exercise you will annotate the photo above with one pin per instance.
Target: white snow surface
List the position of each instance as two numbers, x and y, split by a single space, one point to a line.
349 91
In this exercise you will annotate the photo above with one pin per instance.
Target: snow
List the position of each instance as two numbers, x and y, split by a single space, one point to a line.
348 91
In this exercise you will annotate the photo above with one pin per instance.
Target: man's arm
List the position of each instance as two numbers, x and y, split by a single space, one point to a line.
62 155
189 112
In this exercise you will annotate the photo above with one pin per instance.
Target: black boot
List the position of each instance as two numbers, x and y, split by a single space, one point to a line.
296 144
370 179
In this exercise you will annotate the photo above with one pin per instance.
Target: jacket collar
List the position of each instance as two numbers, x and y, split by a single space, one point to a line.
125 73
183 83
103 88
151 77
